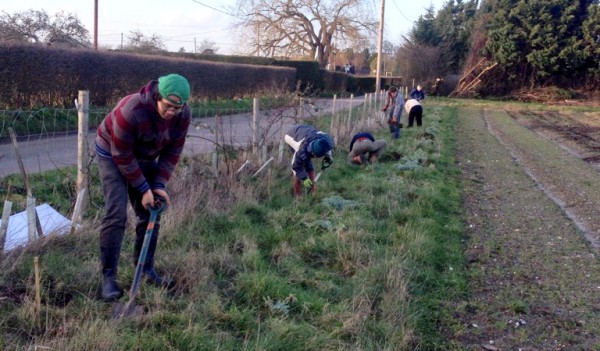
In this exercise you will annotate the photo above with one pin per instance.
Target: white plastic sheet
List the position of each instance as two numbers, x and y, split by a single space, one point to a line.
51 221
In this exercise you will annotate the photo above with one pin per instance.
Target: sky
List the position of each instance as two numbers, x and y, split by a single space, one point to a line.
180 23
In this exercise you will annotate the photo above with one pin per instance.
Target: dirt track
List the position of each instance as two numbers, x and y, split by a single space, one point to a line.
533 225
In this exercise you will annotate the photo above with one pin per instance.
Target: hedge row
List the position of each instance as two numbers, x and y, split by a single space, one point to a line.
36 76
312 79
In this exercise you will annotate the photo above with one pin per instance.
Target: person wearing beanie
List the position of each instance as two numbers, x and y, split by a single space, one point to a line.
364 147
395 102
138 145
306 142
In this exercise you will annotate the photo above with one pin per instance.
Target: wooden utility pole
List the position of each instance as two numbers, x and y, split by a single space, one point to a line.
379 49
95 24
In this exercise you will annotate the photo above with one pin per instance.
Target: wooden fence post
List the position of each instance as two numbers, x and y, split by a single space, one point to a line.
36 219
334 126
83 110
4 227
255 111
31 219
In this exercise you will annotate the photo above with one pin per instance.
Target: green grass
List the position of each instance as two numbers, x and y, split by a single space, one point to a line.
274 274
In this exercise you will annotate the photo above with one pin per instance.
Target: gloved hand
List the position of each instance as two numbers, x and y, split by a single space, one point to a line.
307 183
384 109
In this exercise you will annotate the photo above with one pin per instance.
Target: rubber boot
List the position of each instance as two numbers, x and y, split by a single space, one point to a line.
313 189
297 187
110 260
148 270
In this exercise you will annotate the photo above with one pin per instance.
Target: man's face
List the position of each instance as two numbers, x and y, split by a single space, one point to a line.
167 110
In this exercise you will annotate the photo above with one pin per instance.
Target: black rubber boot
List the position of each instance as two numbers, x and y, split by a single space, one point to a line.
110 260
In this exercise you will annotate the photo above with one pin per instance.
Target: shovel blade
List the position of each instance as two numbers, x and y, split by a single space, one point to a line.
121 310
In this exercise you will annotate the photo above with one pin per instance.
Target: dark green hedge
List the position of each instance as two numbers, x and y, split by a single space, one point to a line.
36 76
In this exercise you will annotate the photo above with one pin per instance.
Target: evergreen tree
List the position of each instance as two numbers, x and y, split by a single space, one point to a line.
539 42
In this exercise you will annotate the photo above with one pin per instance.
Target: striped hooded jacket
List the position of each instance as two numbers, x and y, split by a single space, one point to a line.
134 133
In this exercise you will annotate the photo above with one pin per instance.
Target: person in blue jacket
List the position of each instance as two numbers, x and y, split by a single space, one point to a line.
418 93
307 143
364 147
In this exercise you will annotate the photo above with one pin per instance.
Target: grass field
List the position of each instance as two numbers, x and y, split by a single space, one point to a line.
366 264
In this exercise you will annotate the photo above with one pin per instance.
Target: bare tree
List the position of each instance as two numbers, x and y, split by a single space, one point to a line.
420 62
207 47
139 42
304 28
38 27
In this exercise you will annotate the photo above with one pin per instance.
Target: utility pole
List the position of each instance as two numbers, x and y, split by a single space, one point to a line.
96 25
379 50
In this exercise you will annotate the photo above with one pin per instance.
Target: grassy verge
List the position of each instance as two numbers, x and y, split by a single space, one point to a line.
364 265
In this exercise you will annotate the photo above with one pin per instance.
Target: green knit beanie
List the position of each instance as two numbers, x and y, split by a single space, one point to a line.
174 84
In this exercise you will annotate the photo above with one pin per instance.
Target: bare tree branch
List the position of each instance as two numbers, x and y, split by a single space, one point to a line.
304 28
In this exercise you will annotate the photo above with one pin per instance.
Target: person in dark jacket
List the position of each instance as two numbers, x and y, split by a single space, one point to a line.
307 143
418 93
364 147
138 146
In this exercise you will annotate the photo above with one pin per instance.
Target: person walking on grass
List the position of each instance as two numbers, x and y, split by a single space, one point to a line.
307 143
138 146
415 111
364 147
395 103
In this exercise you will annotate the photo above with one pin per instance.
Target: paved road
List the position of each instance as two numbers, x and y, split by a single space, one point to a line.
41 153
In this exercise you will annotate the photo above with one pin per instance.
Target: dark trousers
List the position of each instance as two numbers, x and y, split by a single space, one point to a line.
117 193
415 112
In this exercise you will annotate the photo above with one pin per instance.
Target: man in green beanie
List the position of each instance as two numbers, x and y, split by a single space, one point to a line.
138 146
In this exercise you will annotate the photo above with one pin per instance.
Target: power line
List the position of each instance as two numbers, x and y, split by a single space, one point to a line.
398 8
215 9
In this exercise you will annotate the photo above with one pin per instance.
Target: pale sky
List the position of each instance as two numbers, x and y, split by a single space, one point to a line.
180 22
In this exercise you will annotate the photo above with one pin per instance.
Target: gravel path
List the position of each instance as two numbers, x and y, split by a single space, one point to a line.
532 225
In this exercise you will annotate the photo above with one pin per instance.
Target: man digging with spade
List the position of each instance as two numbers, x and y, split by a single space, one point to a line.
138 145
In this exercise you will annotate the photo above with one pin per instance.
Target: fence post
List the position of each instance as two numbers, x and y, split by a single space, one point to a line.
256 107
349 122
31 219
215 155
4 227
83 110
281 141
78 210
365 116
334 125
301 106
38 225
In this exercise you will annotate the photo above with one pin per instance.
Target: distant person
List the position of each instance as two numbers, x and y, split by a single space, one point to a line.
415 111
307 143
364 147
395 103
418 93
138 146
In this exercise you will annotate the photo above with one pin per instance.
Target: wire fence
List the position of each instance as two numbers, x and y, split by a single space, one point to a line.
235 142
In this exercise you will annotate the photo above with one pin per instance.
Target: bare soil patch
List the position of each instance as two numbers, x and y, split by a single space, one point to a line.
532 202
